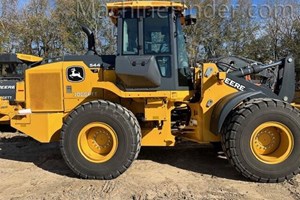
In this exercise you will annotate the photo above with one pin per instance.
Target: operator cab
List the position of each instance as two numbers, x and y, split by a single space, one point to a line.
151 52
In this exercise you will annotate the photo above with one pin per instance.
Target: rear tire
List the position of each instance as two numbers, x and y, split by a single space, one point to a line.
262 140
100 140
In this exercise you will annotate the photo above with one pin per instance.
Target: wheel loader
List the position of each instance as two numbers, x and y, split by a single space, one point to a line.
103 108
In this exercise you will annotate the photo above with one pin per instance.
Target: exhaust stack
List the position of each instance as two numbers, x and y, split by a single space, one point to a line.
91 40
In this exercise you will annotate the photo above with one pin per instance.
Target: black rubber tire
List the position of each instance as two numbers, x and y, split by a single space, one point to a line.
237 132
118 118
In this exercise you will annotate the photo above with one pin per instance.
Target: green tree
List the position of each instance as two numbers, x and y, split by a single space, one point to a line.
8 21
206 37
241 29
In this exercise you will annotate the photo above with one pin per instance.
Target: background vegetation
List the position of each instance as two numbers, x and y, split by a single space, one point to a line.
51 28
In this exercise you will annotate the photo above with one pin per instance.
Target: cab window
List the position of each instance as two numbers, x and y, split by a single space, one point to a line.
157 41
130 36
157 34
183 60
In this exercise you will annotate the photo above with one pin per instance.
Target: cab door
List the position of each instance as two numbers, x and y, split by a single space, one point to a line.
147 50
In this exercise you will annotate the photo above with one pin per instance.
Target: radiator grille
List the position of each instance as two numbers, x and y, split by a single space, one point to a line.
45 92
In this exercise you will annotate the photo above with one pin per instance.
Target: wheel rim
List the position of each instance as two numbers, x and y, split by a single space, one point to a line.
272 142
97 142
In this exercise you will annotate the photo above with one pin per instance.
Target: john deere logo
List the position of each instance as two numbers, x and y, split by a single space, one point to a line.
75 74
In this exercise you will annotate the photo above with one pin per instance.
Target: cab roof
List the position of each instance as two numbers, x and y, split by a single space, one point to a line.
145 5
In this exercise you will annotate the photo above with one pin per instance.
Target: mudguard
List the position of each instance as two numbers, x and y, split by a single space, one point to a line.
227 104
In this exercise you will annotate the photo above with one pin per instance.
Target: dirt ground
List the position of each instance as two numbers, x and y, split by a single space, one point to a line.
30 170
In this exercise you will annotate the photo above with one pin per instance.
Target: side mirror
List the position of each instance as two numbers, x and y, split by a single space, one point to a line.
190 16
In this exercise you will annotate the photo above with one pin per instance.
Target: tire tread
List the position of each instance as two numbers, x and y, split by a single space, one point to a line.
230 129
116 108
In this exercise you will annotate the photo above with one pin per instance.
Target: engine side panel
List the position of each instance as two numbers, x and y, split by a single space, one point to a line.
44 91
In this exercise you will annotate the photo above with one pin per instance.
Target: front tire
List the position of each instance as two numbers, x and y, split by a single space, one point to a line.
100 140
262 140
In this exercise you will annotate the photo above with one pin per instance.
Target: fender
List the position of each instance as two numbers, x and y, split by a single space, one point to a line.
227 104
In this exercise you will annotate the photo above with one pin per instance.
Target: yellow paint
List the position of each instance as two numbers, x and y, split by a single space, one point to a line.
272 143
29 58
172 95
159 133
97 142
108 75
20 91
70 104
296 105
49 91
114 7
84 89
156 105
114 89
40 126
7 109
5 118
155 110
51 96
102 85
157 137
222 76
213 90
44 88
144 5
